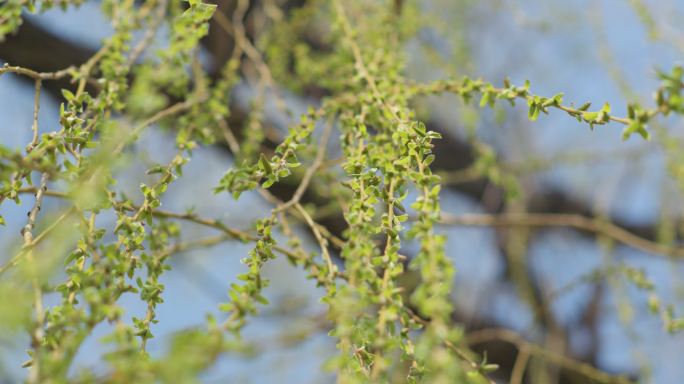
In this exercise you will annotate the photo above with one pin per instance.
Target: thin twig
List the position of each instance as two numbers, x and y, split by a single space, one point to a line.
231 140
27 234
170 111
475 366
520 365
358 58
87 68
36 75
306 179
322 242
149 34
81 263
500 334
243 44
36 108
36 240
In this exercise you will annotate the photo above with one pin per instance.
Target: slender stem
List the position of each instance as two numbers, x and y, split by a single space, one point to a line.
475 366
520 366
358 58
38 332
36 75
36 108
322 242
149 34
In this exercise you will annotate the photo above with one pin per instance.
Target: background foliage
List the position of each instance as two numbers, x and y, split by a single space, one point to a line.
356 130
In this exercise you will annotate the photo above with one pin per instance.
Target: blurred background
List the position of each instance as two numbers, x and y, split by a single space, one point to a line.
555 286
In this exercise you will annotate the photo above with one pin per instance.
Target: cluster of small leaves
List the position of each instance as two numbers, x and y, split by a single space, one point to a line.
151 289
288 47
69 324
158 238
10 12
668 97
167 76
245 296
437 362
371 270
100 282
640 280
83 115
132 229
188 29
267 171
98 273
387 154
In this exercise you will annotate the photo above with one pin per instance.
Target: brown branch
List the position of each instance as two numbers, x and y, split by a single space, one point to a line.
36 75
518 372
580 222
48 56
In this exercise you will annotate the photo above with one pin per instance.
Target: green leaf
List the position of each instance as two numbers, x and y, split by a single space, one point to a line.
489 368
484 100
584 107
636 127
590 116
533 112
67 94
428 160
556 100
265 164
268 183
